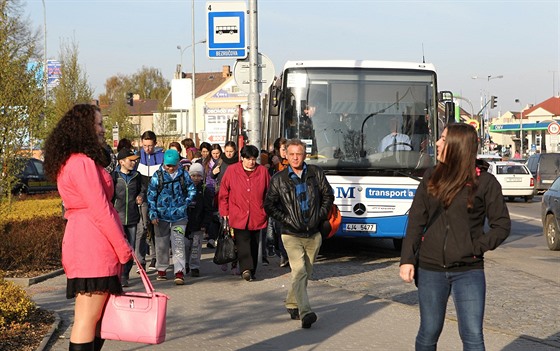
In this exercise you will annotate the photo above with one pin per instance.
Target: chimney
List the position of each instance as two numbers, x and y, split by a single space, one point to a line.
226 71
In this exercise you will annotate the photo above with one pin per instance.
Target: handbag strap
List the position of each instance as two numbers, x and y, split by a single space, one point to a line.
147 283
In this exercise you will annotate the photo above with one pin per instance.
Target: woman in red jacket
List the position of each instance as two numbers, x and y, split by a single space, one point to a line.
241 199
94 246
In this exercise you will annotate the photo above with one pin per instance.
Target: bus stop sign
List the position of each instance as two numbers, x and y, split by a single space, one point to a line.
226 32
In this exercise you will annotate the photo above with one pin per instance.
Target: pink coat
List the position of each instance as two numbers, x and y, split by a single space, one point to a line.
241 197
94 243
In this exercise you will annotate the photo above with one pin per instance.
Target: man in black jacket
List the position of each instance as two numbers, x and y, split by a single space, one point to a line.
300 198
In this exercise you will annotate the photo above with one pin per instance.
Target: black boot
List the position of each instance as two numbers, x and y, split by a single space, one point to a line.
88 346
98 343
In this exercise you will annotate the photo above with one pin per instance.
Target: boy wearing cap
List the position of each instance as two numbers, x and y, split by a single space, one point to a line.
200 214
170 192
126 199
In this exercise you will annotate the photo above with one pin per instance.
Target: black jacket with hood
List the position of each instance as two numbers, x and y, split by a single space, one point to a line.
456 239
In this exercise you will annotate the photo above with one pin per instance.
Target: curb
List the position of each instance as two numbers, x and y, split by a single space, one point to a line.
47 338
25 282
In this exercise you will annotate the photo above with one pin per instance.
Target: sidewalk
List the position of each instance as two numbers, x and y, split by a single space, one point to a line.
219 311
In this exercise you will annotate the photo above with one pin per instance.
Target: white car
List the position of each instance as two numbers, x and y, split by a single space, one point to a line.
515 178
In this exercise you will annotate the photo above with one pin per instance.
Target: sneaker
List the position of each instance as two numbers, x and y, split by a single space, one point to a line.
308 319
187 270
195 273
138 269
246 275
152 266
224 267
210 244
124 282
284 262
179 278
161 275
265 261
294 313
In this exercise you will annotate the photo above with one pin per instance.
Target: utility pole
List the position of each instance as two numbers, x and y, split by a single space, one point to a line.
253 103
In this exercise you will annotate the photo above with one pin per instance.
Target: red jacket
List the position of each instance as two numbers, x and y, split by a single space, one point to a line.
241 197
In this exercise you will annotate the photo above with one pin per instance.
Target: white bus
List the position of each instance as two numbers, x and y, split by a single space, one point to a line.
370 125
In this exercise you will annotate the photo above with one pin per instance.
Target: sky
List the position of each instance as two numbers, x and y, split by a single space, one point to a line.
519 40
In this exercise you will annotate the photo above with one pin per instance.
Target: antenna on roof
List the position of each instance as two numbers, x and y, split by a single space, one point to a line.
423 57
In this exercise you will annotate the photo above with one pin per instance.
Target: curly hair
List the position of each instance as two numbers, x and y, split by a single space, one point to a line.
74 133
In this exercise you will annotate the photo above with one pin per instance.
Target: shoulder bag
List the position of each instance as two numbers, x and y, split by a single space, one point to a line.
136 316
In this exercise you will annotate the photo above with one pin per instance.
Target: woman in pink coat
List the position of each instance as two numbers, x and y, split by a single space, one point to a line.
94 245
241 197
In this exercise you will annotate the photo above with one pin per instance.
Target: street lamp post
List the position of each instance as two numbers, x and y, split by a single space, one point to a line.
485 103
520 126
182 50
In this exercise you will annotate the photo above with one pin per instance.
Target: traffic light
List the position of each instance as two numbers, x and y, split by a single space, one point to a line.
493 101
130 99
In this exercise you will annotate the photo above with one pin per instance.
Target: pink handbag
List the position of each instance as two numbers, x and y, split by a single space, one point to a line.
136 316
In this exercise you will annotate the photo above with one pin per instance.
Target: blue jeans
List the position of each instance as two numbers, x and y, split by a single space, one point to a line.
130 231
469 296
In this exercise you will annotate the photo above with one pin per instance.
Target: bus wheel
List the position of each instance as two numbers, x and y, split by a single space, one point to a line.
397 243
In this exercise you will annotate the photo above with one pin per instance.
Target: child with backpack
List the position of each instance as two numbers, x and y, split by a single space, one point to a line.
200 214
170 192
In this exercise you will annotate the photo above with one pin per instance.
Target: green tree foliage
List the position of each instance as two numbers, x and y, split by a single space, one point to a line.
21 93
73 87
147 83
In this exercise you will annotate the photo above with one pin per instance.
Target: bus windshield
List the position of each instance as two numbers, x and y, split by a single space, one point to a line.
361 118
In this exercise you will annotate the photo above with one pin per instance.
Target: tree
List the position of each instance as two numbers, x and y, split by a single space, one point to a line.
148 83
73 87
21 98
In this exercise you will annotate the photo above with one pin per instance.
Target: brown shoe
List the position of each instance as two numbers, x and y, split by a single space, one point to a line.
294 313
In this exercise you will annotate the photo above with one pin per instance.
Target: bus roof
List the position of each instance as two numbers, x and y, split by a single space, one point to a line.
360 64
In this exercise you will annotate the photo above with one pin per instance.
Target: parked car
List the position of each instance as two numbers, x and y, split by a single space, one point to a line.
544 168
32 178
515 179
550 210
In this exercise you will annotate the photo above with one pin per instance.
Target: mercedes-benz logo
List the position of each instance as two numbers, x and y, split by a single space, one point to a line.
359 209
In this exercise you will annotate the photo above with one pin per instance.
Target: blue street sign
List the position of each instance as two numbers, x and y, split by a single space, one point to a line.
227 35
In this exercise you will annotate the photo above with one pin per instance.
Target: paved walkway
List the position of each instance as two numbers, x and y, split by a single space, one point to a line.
219 311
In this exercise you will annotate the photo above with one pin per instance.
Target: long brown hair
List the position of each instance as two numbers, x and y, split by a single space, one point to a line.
74 133
457 170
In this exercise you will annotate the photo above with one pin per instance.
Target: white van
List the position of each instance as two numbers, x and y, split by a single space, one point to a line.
515 178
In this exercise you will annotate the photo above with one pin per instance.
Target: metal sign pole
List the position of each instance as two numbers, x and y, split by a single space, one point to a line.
254 106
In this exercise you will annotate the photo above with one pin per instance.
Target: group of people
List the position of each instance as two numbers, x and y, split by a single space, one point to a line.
172 200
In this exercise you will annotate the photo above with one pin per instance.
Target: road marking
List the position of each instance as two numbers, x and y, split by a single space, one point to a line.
525 217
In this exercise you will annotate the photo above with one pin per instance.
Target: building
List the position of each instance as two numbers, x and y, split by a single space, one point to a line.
537 123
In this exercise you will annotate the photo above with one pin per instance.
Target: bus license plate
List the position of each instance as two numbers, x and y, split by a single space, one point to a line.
359 227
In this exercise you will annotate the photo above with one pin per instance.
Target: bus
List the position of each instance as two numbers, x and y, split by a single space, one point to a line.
371 126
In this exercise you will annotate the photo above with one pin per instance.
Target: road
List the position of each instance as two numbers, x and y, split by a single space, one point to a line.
523 276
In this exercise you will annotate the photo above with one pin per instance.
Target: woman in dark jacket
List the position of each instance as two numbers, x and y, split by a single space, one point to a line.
445 237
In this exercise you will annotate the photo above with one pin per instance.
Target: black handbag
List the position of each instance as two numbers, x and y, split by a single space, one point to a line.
226 251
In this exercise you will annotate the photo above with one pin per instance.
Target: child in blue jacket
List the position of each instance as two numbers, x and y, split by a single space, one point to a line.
170 192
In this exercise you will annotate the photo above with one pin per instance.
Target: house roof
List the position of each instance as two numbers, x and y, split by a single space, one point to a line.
551 105
140 107
208 81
